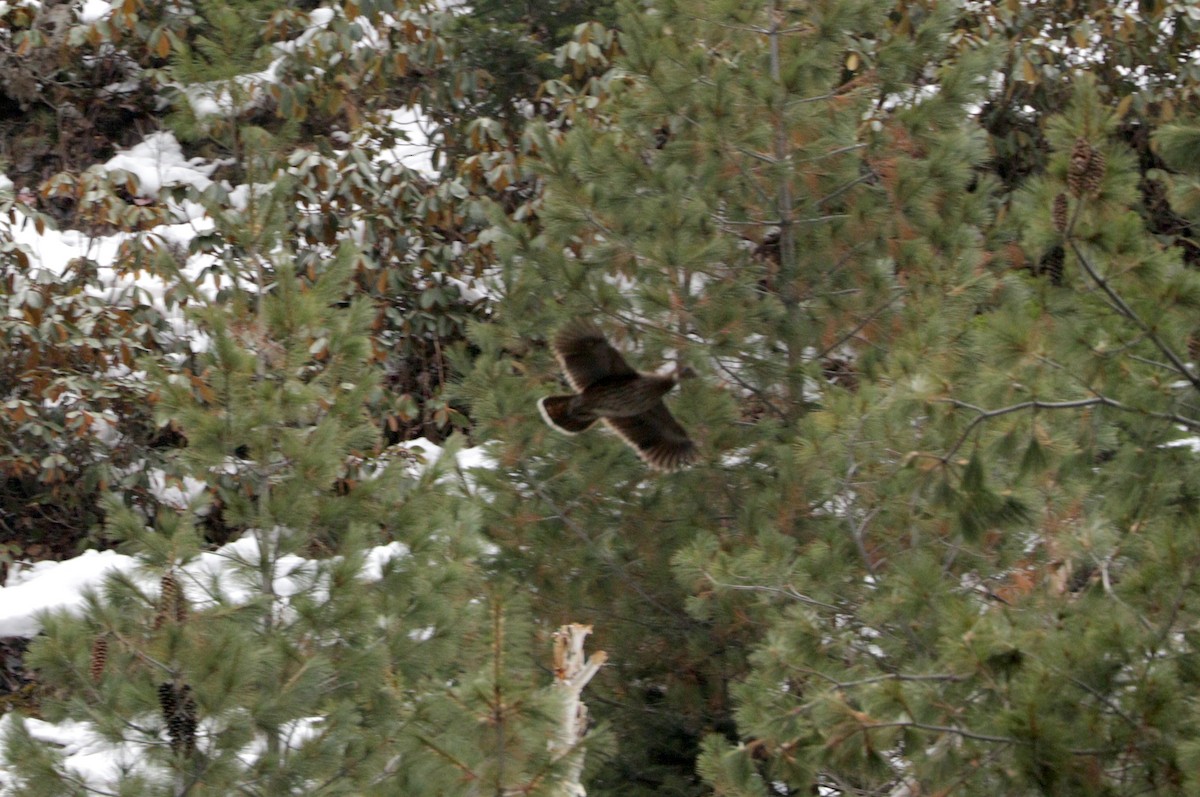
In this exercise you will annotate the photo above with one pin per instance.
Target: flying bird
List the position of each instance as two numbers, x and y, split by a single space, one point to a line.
608 390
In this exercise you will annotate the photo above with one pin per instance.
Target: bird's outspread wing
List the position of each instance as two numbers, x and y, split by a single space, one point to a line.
656 437
586 357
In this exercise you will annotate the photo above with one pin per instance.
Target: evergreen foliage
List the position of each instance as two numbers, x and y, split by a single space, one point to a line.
732 210
893 566
931 262
308 662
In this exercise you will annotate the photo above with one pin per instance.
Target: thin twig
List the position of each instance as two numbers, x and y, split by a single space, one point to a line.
1037 404
921 726
896 676
1122 307
868 318
787 592
760 394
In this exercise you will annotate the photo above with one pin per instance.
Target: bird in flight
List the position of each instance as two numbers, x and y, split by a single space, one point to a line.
626 401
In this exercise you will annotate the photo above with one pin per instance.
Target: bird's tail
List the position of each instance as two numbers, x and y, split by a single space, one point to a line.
557 411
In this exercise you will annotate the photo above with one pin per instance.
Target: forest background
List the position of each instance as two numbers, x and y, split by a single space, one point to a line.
934 264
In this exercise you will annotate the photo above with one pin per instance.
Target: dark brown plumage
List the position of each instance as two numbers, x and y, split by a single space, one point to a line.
608 390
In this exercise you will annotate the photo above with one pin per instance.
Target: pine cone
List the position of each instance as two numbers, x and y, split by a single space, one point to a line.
1094 173
168 701
1059 213
168 589
99 657
179 714
172 603
1052 264
1077 166
181 608
183 727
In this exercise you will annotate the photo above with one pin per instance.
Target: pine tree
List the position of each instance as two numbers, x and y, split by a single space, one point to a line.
336 647
1020 632
296 667
743 205
274 670
967 445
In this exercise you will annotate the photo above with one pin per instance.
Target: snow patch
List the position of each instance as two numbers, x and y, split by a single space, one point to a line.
465 458
47 586
212 577
94 11
94 759
416 152
158 162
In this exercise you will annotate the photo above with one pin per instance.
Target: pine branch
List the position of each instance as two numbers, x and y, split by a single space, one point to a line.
458 763
789 592
858 530
758 30
760 394
1122 307
1109 704
497 702
583 535
1037 404
867 319
777 222
965 734
785 207
844 187
940 678
84 787
858 533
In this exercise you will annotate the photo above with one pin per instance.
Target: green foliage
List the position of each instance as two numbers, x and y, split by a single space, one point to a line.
934 280
732 212
283 662
246 88
486 730
930 480
1022 660
1132 54
507 49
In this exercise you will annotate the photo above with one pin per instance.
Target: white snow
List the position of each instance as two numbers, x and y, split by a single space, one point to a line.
158 161
42 587
1192 442
94 10
99 763
292 736
211 577
179 496
417 151
92 758
465 458
379 556
46 586
32 590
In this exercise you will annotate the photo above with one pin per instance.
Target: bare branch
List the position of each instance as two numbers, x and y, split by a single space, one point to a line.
1037 404
572 672
921 726
788 592
1122 307
895 676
